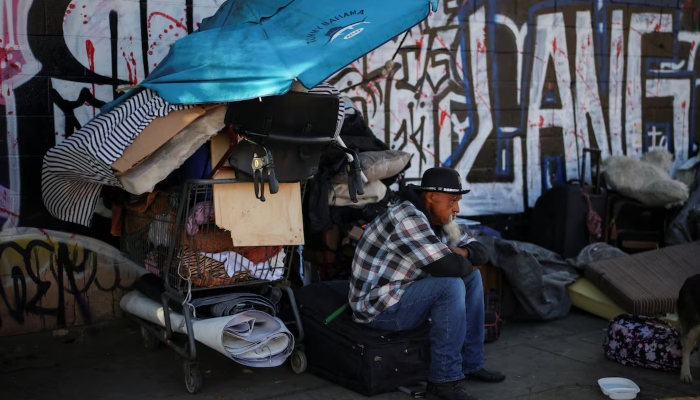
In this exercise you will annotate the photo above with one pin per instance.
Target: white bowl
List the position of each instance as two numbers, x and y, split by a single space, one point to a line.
618 388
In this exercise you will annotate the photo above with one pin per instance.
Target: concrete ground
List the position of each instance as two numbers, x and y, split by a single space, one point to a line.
553 360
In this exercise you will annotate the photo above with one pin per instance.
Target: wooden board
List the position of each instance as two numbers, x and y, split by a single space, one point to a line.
218 146
277 221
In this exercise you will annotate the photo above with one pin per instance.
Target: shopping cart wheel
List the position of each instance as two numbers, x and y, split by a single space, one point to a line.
193 379
149 341
298 361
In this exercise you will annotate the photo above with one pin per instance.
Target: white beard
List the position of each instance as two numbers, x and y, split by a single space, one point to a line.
452 230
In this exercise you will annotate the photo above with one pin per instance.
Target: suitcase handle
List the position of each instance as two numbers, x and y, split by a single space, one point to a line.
582 173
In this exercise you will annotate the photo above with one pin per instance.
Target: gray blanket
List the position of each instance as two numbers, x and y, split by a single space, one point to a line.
537 279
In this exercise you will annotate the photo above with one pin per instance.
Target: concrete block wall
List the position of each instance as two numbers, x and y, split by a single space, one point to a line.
506 92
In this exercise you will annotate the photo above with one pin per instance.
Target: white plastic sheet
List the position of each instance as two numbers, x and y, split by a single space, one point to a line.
252 338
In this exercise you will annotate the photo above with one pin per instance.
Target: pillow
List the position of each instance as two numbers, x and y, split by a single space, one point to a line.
646 180
339 195
378 165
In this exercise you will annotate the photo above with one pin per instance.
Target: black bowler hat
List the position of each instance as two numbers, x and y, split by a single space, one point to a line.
441 179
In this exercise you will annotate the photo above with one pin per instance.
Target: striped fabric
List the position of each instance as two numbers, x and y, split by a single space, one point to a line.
646 283
74 171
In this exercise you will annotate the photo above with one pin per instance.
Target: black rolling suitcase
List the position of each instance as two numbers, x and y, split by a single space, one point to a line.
567 218
351 355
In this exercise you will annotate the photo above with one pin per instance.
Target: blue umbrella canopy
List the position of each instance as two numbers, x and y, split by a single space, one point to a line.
255 48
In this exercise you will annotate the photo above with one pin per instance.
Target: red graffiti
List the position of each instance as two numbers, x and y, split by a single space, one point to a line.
554 46
131 76
443 115
90 51
48 238
480 47
8 212
11 56
168 17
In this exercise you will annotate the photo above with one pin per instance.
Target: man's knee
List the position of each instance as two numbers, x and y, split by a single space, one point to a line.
473 281
454 287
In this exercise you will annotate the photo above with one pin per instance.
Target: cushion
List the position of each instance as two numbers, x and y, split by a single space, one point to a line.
339 195
646 283
143 177
378 165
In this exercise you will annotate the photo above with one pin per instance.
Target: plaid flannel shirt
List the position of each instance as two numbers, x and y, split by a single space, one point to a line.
389 258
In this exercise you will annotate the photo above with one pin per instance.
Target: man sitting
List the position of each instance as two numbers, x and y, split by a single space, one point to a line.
412 264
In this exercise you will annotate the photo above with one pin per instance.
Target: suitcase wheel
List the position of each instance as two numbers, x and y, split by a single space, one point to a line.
298 361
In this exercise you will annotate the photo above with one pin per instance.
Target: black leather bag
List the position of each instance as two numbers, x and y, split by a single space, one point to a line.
294 127
284 137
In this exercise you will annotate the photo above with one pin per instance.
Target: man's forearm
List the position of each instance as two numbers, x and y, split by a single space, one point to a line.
452 265
477 253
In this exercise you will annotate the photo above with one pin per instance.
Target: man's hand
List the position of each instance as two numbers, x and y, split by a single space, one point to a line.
462 252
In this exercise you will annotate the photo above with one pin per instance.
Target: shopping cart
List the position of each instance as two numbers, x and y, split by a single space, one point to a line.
168 232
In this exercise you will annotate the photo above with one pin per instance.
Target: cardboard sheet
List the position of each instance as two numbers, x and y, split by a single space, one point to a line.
156 134
277 221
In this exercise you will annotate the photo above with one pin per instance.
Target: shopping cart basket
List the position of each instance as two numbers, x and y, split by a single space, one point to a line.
170 234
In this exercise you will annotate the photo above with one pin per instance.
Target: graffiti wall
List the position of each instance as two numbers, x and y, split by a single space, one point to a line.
507 92
54 279
510 92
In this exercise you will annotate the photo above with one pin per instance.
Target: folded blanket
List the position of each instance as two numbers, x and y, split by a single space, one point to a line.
234 262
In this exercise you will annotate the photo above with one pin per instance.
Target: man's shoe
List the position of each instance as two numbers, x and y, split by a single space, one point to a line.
450 391
486 376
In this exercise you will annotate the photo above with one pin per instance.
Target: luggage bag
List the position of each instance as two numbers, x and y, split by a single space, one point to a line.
349 354
568 217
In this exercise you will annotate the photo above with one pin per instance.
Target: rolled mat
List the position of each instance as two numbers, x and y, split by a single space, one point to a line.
252 338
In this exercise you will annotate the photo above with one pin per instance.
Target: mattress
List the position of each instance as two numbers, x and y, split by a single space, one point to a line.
646 283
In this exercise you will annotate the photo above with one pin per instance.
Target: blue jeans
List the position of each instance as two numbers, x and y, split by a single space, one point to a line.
455 307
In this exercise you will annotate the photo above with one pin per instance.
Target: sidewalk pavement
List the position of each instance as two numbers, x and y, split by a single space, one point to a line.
544 361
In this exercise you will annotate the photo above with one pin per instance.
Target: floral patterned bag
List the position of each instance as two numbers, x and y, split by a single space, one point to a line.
643 342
